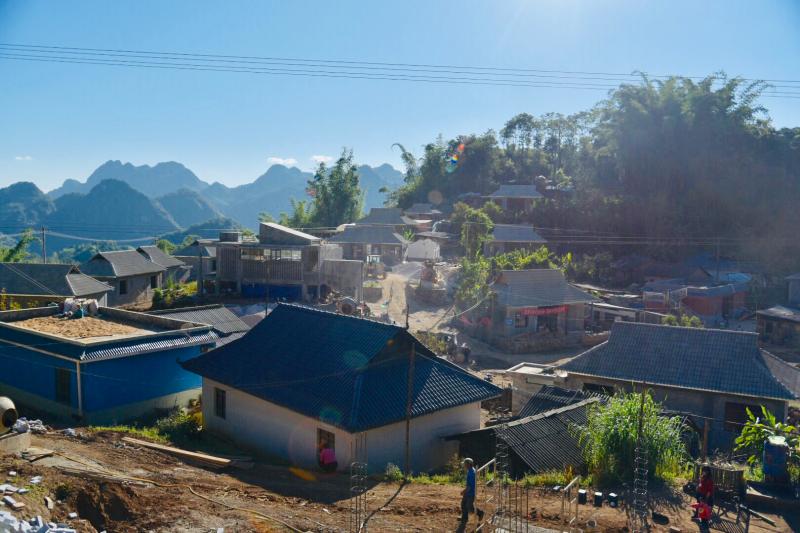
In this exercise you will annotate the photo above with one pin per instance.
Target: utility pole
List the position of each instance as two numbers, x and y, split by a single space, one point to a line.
200 270
44 246
409 405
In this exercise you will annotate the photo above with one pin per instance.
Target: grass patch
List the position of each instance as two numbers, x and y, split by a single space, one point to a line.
147 433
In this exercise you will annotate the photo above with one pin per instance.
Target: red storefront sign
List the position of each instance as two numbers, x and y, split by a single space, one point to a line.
540 311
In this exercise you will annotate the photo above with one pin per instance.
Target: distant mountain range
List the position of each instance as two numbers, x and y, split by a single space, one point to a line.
131 204
271 192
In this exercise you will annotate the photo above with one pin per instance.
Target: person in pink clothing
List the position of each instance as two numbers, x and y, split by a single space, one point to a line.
327 458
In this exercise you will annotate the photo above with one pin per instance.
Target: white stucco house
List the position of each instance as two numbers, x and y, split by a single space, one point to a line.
302 375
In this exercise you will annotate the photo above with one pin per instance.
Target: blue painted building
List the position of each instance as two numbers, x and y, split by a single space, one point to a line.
108 368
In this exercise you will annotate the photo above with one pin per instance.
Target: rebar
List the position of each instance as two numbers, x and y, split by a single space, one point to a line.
358 484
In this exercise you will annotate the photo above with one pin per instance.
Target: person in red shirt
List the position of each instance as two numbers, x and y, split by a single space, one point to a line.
705 489
327 458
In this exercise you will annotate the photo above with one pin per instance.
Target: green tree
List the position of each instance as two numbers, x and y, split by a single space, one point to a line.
685 321
301 216
166 246
475 228
473 284
610 437
338 198
19 252
263 216
542 257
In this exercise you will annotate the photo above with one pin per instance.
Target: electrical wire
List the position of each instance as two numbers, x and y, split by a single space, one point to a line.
339 69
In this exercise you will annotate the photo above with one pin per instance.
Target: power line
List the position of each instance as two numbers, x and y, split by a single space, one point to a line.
331 68
364 64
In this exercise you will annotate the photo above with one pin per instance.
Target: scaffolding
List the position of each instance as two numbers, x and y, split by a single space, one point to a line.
358 484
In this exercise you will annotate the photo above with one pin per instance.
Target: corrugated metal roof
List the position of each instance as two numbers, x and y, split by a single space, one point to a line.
218 316
537 288
516 233
116 351
700 359
516 191
120 264
781 312
349 372
547 441
422 209
550 397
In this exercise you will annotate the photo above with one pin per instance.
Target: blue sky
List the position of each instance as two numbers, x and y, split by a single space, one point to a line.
61 121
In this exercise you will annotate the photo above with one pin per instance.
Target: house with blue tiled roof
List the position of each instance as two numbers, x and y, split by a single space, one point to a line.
110 367
302 376
710 375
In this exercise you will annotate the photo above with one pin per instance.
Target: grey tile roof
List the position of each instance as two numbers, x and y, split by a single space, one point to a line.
157 256
701 359
537 288
550 397
515 233
219 317
422 209
367 234
120 264
350 372
516 191
205 250
48 279
389 216
784 313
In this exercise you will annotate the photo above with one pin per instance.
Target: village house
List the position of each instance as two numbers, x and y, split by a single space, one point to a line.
175 269
714 301
527 379
424 212
509 237
37 284
387 216
107 368
133 276
303 376
709 375
222 320
360 241
424 250
282 263
201 258
781 324
534 309
516 198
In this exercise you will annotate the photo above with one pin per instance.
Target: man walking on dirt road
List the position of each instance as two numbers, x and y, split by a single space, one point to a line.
468 496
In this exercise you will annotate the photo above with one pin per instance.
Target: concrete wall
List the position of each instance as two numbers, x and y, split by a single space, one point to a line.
704 404
269 428
139 291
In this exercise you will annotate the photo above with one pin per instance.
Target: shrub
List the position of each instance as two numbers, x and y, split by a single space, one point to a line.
180 426
393 472
609 439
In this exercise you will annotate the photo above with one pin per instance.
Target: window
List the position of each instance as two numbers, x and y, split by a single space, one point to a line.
123 286
219 402
736 415
520 320
325 436
154 282
63 386
254 254
547 322
213 265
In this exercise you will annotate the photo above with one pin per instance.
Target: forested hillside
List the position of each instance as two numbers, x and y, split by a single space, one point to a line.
666 166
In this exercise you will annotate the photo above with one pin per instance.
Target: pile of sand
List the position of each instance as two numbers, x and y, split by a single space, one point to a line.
77 328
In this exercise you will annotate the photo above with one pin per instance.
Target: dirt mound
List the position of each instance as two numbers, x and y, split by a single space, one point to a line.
108 506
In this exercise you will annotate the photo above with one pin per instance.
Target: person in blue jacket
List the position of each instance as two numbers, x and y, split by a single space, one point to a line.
468 496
